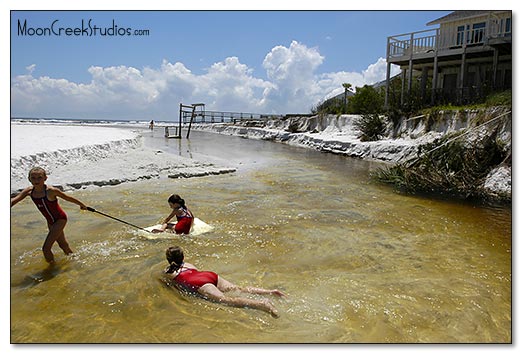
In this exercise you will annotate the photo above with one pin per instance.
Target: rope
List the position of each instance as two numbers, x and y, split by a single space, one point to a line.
114 218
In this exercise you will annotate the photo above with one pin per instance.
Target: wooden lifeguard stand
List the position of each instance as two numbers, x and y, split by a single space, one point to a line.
192 110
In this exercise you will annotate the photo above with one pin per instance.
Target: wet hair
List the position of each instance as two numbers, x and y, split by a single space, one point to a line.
175 258
176 199
37 170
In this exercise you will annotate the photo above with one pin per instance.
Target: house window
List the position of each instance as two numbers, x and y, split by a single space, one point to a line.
460 35
477 35
508 25
472 34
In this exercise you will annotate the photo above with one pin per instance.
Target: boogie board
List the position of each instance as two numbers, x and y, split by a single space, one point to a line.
199 227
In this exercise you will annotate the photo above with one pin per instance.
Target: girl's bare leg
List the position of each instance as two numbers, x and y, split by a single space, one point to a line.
55 232
214 294
64 245
224 285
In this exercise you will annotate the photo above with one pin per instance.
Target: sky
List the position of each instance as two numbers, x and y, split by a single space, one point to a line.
243 61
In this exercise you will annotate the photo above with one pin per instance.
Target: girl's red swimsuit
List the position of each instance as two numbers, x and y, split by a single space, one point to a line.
184 223
50 209
193 279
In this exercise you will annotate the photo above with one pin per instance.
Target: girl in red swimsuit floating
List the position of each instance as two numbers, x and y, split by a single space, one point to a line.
183 215
45 198
212 286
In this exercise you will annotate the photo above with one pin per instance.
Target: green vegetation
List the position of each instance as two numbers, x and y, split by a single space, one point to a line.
366 100
371 126
499 99
447 166
370 100
503 98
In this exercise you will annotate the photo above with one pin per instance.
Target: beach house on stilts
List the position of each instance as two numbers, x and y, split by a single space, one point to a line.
467 57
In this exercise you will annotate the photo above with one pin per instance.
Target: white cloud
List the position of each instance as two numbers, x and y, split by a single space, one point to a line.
292 86
292 71
376 72
30 68
292 65
230 86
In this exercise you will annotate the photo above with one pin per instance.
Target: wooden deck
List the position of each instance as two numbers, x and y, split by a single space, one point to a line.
429 43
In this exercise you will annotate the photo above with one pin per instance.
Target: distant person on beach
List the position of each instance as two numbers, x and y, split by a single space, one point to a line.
46 200
183 215
212 286
151 125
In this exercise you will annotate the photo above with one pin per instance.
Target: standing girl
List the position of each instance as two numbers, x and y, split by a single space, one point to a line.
45 198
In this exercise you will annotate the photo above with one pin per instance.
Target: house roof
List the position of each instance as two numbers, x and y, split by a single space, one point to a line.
459 15
340 96
383 82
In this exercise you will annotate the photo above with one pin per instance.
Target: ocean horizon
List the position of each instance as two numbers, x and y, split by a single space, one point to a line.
73 120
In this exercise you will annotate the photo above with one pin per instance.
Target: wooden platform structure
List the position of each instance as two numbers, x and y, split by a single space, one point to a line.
196 113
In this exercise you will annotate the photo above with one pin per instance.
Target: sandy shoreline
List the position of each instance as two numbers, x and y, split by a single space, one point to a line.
82 156
78 157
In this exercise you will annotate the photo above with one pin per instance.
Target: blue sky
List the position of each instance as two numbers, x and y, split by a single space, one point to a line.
200 38
249 61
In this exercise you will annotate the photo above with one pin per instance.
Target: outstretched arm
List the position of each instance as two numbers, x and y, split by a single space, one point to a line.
68 198
21 196
171 215
164 225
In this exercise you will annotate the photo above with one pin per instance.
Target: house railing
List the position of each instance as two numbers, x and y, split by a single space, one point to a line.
409 44
412 43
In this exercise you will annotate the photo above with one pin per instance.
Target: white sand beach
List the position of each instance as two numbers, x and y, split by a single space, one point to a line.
31 139
81 156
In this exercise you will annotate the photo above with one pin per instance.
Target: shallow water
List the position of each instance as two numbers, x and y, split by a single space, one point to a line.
359 262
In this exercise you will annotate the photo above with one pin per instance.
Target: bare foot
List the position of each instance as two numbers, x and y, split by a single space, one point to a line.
277 292
271 309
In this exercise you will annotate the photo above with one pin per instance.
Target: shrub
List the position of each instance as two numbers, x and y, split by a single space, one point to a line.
499 99
446 167
367 100
371 126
